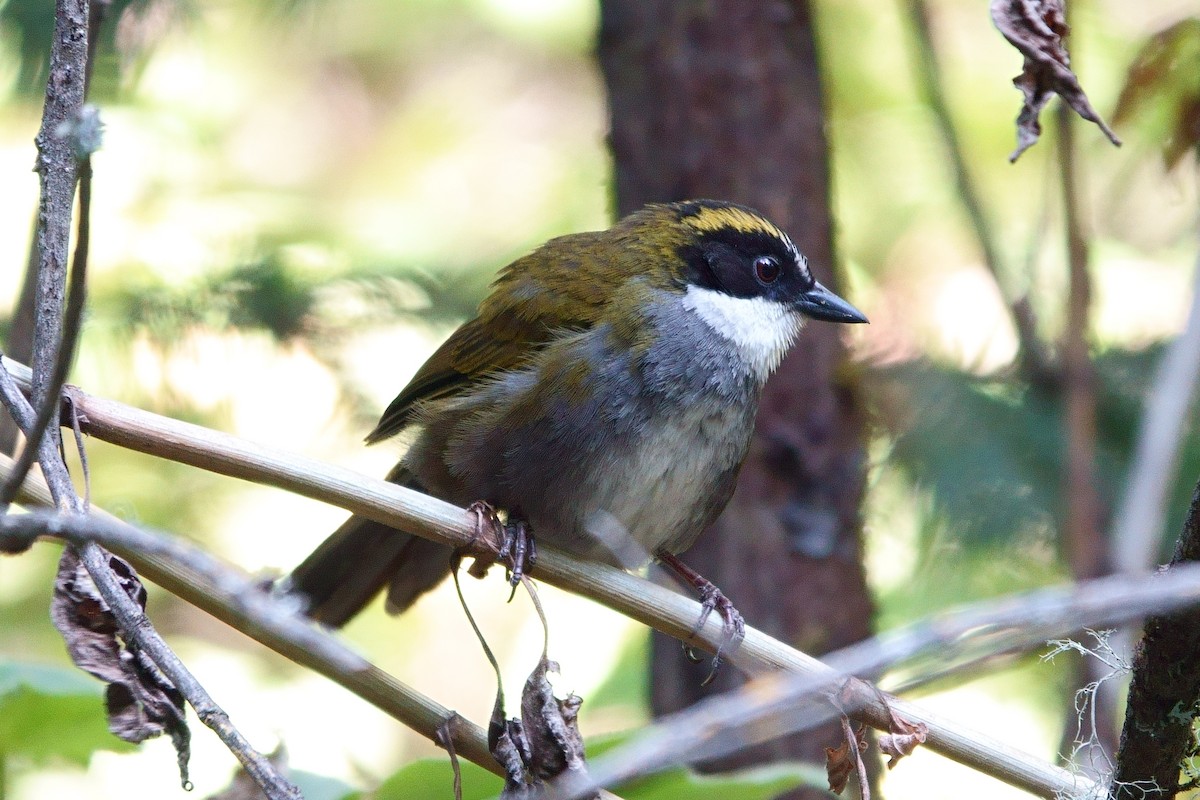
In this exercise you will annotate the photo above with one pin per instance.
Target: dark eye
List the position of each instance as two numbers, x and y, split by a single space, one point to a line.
766 268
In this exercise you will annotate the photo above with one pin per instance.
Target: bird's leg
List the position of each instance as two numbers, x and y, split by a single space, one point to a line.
508 536
517 550
711 599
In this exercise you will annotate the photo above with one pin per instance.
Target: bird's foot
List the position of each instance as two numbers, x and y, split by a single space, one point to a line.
711 599
507 536
518 551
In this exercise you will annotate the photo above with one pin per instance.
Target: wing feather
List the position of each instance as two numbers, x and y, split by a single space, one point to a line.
561 287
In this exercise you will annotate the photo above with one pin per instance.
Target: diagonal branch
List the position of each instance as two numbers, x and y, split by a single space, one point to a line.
134 624
1137 530
632 596
775 705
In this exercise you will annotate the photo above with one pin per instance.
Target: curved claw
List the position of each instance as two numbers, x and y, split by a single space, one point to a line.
711 599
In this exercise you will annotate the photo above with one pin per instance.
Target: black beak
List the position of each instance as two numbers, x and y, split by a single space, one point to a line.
820 303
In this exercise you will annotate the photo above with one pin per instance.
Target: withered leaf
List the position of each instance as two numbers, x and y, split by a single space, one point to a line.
846 758
903 739
838 766
1163 90
544 744
1037 28
551 726
140 701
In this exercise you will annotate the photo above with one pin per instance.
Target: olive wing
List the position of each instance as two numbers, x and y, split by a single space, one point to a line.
557 289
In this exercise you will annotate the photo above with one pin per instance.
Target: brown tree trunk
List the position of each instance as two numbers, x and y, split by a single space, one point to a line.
722 99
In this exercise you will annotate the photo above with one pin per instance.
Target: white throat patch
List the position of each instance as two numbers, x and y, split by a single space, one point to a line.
761 330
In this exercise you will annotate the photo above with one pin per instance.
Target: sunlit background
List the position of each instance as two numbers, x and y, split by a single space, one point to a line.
295 202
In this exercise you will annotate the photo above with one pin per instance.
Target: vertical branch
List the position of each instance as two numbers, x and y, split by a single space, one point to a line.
1157 735
1084 546
21 333
1085 549
1036 362
48 409
64 143
58 171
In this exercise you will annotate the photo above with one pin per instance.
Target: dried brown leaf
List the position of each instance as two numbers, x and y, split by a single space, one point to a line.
838 766
902 740
1037 28
140 701
551 726
544 744
1162 87
846 758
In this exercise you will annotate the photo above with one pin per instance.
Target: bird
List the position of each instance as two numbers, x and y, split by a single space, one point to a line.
604 396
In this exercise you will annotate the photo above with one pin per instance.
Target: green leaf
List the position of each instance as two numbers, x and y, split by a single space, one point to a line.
989 450
321 787
760 783
49 712
433 777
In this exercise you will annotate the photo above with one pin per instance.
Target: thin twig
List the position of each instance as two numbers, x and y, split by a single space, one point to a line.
1084 546
777 705
224 592
1086 553
1038 366
1137 531
49 408
135 626
628 594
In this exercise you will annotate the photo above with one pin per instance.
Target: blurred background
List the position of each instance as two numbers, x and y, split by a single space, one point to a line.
296 201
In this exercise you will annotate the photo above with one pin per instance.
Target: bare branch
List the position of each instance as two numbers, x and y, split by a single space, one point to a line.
1137 531
775 705
57 167
221 590
83 134
632 596
1158 732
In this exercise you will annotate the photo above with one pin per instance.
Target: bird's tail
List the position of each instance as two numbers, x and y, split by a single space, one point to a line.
359 559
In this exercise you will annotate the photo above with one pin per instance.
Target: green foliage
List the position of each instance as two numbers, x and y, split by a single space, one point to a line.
30 24
272 294
988 452
49 712
990 449
433 778
752 784
627 684
320 787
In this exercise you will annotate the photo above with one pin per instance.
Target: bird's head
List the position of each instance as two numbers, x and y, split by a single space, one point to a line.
737 271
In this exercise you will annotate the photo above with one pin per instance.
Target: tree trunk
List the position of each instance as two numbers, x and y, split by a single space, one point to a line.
722 99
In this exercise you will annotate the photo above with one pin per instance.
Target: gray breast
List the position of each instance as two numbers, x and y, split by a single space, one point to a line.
612 462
